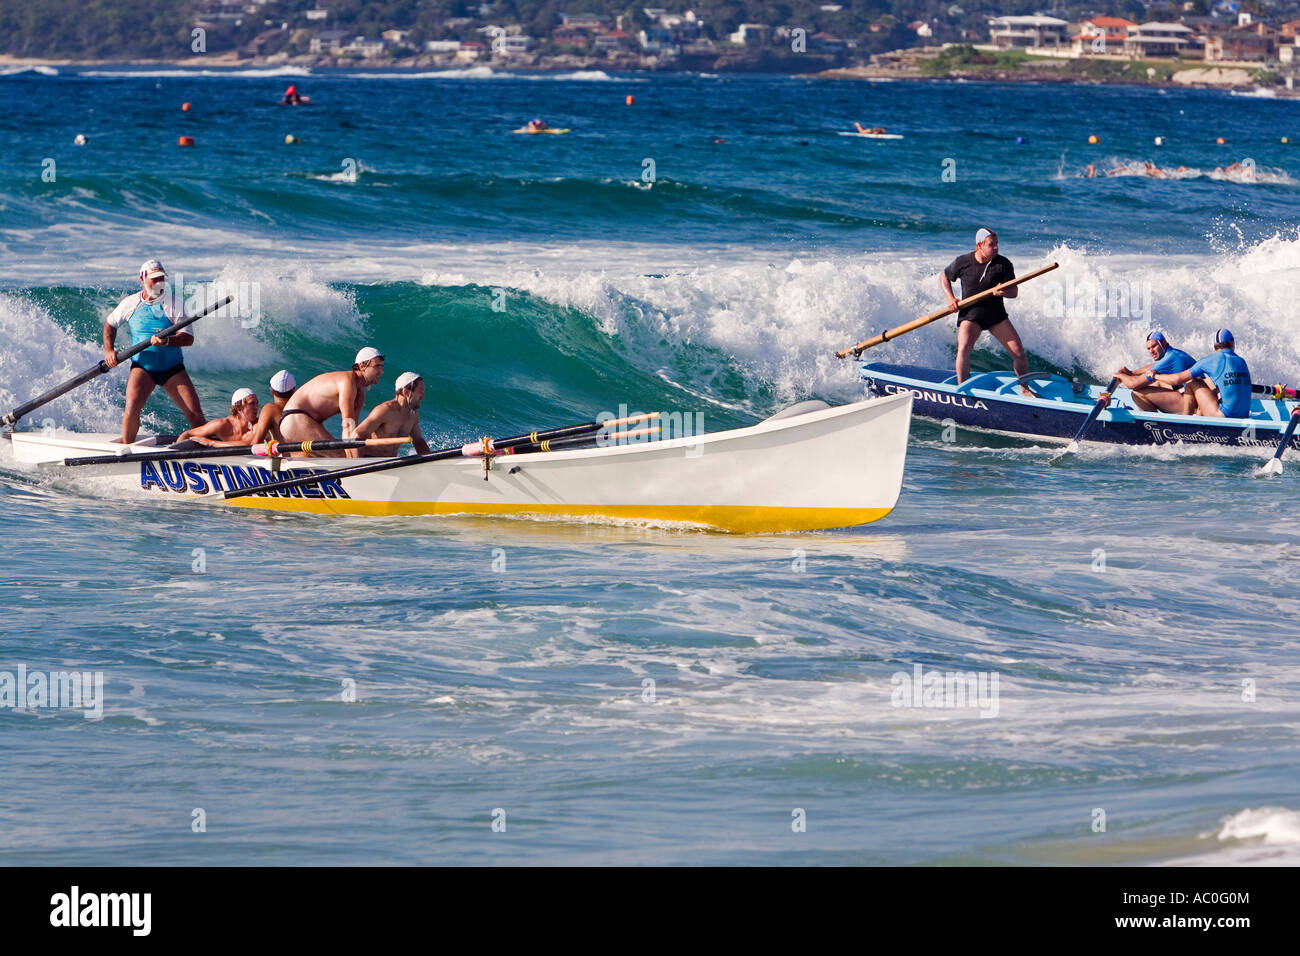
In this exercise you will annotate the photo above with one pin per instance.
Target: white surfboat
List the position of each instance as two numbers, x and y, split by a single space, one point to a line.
799 470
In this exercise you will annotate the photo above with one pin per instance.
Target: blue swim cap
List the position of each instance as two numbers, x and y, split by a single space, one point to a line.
1222 336
1157 336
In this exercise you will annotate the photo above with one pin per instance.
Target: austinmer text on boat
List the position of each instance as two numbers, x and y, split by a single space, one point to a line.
991 402
809 467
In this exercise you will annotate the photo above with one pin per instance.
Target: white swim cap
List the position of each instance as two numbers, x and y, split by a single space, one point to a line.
240 395
405 379
982 235
282 381
365 355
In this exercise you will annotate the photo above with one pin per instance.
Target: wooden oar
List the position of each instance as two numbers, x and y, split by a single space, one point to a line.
1102 401
270 449
935 316
1274 465
558 443
102 367
485 447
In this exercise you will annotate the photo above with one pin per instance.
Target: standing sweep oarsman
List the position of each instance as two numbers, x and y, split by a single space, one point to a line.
977 271
144 314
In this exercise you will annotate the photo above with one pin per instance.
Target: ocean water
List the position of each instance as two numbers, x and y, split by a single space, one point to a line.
634 693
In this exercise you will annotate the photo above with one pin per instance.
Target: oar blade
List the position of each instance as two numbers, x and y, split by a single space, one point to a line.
1270 468
1064 454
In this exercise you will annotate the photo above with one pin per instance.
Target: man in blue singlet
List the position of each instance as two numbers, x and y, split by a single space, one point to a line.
1148 395
1218 385
145 315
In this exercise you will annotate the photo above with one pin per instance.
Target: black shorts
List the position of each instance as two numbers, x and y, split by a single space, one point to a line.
159 378
984 322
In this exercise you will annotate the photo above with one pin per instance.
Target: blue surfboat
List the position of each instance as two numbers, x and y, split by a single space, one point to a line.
992 402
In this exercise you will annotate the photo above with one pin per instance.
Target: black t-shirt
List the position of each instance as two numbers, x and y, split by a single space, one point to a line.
976 277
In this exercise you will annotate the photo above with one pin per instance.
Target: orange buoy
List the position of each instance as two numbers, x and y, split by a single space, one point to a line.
1094 140
631 100
185 107
185 141
1221 141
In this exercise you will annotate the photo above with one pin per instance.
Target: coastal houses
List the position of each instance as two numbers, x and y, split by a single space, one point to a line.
1157 39
1250 42
1225 36
1100 35
1011 33
655 37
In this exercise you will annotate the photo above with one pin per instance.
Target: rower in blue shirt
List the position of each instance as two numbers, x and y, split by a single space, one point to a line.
145 314
1218 385
1148 394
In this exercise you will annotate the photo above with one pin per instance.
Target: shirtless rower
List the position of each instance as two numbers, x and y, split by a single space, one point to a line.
327 395
235 429
268 422
398 416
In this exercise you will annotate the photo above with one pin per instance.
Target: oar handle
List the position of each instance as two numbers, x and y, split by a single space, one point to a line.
269 449
556 444
102 367
1275 391
486 446
935 316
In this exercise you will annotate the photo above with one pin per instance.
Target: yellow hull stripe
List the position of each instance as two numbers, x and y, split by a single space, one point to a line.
723 517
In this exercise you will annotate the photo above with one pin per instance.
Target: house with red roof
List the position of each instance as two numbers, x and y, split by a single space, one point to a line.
1100 35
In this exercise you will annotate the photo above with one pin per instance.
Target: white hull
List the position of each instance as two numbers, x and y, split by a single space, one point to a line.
836 467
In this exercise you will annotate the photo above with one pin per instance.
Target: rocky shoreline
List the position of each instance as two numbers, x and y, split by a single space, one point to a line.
924 64
727 62
899 65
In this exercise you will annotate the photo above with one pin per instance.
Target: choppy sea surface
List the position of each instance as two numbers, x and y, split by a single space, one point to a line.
285 689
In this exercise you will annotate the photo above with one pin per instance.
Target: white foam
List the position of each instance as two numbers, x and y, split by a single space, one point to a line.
20 70
781 317
1275 826
180 73
1249 174
351 174
269 301
461 73
1265 836
37 354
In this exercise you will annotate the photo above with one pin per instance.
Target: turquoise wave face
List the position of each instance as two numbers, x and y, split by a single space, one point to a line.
493 359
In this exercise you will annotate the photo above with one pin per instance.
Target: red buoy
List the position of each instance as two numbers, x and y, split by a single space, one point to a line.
185 141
